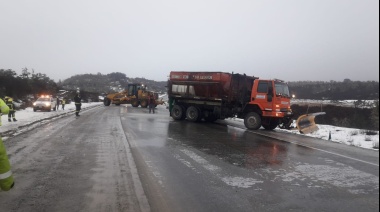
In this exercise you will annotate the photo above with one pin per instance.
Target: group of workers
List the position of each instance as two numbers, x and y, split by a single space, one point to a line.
77 100
62 102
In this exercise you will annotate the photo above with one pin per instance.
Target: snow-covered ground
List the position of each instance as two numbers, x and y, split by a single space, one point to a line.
342 103
348 136
28 119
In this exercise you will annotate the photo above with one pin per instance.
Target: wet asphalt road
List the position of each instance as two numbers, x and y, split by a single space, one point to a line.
125 159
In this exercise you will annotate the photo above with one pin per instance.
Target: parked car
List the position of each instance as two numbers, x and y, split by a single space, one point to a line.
45 103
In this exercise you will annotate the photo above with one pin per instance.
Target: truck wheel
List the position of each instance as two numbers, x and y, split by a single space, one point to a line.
144 104
135 103
178 112
252 121
193 114
107 102
271 126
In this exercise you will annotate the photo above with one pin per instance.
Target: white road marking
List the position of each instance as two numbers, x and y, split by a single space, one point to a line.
235 181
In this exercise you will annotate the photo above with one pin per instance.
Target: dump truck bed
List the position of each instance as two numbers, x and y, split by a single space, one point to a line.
216 86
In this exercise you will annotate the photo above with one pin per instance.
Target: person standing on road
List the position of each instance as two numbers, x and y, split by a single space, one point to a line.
78 103
152 103
6 177
63 104
12 109
57 105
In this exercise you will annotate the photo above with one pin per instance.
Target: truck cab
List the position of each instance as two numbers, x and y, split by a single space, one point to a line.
270 99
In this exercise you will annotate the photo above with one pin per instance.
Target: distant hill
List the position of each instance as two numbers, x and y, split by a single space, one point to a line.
103 84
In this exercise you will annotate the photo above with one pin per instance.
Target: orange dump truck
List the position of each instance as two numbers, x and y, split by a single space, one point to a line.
209 96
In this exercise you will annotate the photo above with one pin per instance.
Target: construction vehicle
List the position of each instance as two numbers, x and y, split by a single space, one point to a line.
135 94
209 96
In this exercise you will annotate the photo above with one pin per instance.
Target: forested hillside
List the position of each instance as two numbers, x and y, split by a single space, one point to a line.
25 85
333 90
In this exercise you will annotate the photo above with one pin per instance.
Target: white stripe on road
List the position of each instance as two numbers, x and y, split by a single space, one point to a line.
235 181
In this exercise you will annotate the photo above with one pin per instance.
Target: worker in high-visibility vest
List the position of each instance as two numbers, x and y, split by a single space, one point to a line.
12 109
6 178
63 104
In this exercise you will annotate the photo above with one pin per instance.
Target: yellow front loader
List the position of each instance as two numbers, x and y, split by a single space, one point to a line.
135 94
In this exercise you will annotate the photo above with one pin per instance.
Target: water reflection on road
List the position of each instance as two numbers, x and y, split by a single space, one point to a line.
234 145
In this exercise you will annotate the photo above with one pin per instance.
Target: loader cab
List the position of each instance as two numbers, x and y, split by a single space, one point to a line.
133 89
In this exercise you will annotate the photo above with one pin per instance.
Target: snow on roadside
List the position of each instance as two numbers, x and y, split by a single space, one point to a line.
348 136
28 117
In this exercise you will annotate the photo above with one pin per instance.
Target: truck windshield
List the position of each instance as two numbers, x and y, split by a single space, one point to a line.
282 89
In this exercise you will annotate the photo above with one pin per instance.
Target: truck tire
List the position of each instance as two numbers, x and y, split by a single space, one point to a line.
193 114
144 104
272 125
178 112
135 103
106 102
252 121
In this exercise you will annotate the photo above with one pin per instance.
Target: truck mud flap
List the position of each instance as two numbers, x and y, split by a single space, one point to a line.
306 123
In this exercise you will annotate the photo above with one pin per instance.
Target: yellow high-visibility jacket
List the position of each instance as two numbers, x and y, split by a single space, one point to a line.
6 178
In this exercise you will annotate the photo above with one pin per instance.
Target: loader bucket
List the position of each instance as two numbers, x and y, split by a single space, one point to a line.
306 123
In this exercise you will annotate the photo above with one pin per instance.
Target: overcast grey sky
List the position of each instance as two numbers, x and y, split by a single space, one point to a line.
287 39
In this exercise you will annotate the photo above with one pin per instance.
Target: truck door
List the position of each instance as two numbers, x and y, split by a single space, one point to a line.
262 95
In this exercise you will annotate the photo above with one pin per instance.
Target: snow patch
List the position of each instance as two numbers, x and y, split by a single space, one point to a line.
200 160
241 182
